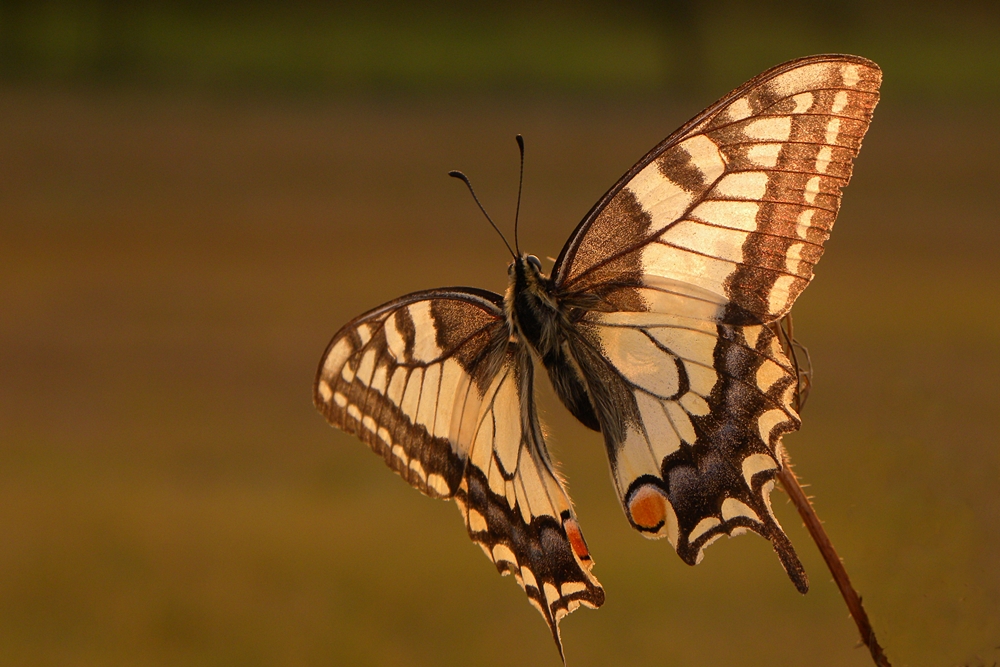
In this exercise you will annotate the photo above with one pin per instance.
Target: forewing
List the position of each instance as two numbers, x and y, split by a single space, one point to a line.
433 384
403 376
725 219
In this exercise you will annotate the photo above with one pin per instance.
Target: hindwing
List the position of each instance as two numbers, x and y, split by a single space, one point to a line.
433 383
692 418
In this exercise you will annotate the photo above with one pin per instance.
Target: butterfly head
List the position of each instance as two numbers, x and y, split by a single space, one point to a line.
525 273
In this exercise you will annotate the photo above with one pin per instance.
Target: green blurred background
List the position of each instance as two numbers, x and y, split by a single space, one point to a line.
193 200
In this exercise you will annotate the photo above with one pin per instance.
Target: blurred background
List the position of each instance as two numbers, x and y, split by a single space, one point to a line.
194 198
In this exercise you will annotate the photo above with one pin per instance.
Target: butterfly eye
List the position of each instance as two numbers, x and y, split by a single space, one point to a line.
535 262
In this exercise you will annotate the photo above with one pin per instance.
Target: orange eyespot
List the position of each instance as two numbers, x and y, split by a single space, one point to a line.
648 507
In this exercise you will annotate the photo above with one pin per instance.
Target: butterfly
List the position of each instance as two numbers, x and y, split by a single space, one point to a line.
656 327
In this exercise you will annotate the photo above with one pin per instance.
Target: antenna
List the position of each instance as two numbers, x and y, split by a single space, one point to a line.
520 182
465 179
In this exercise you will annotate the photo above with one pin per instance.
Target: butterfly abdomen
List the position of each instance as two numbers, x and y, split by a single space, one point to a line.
567 380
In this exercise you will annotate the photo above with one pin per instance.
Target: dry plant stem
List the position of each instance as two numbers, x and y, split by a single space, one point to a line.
794 490
786 335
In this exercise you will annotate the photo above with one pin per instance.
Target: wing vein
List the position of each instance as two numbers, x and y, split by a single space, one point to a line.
797 239
723 259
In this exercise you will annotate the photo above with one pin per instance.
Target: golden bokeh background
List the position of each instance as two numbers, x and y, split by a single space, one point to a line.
193 200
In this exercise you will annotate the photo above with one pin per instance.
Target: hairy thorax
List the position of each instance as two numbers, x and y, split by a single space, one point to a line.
532 311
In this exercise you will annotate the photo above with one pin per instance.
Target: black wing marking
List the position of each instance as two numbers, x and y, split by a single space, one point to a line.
674 279
432 383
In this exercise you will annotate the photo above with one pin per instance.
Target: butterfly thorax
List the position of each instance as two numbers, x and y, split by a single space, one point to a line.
532 311
537 316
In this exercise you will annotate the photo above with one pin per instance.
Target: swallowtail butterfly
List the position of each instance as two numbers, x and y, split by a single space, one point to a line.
657 328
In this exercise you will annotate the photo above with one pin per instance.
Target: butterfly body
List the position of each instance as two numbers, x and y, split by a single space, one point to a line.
657 327
542 320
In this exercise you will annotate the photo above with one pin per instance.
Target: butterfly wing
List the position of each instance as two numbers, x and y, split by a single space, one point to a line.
433 383
675 278
735 206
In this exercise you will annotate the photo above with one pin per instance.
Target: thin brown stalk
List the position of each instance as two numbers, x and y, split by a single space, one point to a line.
791 484
786 336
